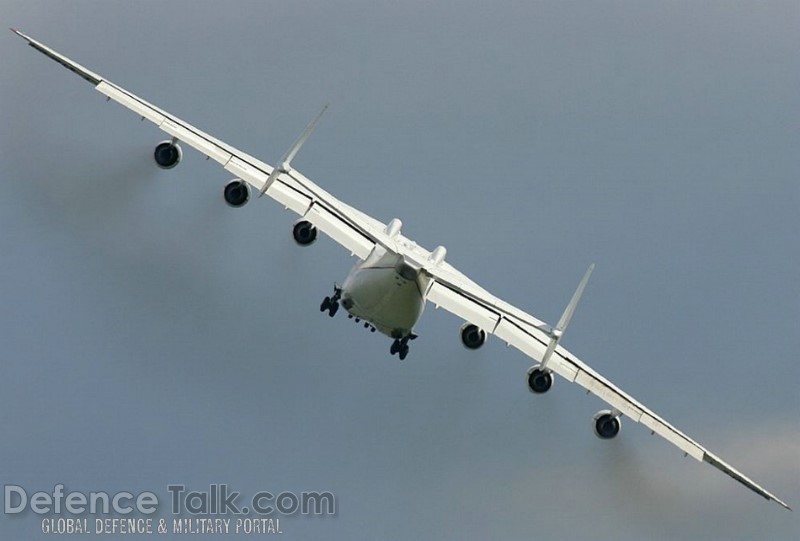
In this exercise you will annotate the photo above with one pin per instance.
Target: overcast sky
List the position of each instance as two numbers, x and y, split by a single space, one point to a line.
152 335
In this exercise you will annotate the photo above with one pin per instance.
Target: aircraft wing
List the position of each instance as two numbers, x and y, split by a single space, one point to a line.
456 293
351 228
449 288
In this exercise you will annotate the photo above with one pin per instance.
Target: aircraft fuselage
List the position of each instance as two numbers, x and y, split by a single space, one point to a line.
385 291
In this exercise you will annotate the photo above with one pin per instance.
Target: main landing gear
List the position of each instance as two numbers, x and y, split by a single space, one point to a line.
331 304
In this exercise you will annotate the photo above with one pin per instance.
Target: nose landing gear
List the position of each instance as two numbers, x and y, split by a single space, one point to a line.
331 304
400 346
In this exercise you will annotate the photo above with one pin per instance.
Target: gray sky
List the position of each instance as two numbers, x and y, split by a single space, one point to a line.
153 335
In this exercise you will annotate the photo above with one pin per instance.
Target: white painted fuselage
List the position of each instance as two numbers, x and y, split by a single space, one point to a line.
387 292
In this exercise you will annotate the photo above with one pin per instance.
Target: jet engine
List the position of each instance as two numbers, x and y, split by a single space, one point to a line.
236 193
304 232
539 380
472 336
167 154
606 425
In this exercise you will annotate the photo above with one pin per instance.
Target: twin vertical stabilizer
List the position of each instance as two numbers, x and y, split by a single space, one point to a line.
286 162
566 317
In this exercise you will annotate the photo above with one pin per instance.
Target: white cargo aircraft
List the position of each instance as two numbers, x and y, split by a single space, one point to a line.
394 278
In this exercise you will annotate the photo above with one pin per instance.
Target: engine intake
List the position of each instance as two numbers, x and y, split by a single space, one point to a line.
472 336
539 380
606 425
167 154
304 232
236 193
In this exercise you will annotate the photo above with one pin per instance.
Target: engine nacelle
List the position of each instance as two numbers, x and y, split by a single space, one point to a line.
606 425
236 193
167 154
539 380
304 232
472 336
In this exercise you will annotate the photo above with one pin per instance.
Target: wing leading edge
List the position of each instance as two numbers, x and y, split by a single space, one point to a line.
359 233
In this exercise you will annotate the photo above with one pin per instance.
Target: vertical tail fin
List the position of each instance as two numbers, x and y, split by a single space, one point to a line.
566 317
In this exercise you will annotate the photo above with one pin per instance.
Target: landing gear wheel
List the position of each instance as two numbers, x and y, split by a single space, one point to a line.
400 346
331 304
